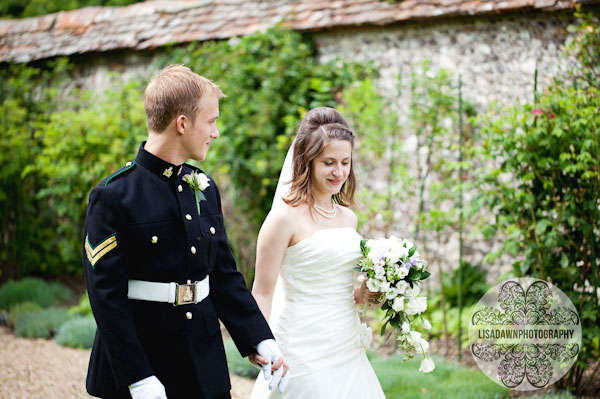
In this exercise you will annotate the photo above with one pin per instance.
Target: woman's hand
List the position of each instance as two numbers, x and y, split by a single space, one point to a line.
363 295
257 361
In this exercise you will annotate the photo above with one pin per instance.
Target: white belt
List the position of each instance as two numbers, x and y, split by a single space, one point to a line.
177 294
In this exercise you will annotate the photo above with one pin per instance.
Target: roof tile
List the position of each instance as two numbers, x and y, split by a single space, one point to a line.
155 23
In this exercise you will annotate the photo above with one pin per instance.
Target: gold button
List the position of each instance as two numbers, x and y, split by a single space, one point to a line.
188 216
128 163
212 230
154 239
189 315
179 188
193 249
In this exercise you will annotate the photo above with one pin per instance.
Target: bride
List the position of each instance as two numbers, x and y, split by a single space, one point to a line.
309 241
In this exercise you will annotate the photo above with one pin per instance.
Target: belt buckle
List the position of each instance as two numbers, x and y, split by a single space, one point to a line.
186 294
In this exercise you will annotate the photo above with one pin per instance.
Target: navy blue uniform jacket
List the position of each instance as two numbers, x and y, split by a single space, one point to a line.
142 223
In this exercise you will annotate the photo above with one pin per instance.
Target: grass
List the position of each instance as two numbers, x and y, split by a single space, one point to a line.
448 381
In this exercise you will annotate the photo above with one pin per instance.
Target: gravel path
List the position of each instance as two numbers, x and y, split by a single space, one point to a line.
39 368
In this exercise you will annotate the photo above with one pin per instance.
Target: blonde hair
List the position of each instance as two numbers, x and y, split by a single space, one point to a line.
318 127
175 90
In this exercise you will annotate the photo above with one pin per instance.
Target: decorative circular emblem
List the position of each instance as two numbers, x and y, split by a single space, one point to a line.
525 334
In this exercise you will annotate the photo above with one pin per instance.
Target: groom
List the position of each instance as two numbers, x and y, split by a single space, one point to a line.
158 268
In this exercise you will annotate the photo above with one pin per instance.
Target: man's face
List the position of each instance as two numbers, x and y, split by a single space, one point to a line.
204 129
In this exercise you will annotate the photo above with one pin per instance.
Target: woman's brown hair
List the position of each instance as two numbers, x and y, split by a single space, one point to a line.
319 127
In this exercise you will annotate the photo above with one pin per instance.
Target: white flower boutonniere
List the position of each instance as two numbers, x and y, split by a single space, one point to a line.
198 183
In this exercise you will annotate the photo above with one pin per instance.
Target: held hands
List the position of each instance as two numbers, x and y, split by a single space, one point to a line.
148 388
269 358
363 295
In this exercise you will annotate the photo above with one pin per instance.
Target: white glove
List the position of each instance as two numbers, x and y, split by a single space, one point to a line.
270 351
148 388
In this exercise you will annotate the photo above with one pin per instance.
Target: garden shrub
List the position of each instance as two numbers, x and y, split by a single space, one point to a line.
237 364
34 290
542 184
83 308
42 323
19 309
78 332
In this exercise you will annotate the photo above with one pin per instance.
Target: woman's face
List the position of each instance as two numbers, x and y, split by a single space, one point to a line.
331 167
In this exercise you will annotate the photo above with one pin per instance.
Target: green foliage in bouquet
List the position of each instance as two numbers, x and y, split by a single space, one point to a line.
544 189
42 323
78 332
33 290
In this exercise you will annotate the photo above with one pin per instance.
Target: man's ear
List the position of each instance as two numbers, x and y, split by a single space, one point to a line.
181 123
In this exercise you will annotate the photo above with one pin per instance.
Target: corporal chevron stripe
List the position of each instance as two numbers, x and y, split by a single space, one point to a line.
94 254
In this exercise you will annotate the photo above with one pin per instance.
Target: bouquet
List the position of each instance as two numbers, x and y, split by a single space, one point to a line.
395 268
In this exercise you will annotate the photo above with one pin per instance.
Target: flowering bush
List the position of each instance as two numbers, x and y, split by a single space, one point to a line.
394 268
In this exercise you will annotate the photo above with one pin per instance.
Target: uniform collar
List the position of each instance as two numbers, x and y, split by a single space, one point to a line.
156 165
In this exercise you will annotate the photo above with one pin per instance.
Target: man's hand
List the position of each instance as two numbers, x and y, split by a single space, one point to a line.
269 357
148 388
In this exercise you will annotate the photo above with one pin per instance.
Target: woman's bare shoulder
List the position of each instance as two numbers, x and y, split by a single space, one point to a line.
349 216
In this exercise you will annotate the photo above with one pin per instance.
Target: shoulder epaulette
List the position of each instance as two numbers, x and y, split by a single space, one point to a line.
125 168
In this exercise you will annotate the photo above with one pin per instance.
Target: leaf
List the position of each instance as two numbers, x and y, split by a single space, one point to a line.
412 251
383 327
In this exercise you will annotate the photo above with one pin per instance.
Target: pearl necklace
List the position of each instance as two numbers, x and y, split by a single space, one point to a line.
328 214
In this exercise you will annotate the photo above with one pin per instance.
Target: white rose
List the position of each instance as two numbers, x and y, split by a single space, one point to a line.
427 324
373 285
379 271
391 293
377 249
414 291
398 304
384 286
361 278
405 327
414 338
402 272
203 181
416 305
401 286
427 365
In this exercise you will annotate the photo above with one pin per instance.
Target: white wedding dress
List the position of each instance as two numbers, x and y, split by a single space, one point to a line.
317 327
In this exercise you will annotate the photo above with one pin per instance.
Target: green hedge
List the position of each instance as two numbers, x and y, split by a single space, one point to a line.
77 333
33 290
42 323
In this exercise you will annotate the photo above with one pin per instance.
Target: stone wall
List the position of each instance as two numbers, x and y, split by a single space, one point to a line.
496 57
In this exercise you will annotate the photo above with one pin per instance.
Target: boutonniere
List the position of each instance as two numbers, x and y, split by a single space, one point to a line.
198 183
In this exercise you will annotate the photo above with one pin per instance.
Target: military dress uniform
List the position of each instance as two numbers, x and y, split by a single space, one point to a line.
143 225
